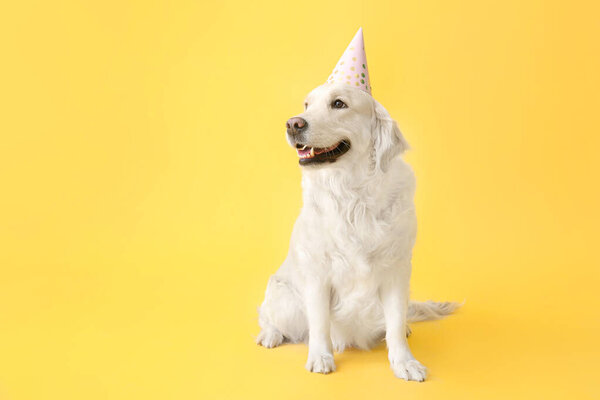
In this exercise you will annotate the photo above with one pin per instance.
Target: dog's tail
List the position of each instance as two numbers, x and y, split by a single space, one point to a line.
430 310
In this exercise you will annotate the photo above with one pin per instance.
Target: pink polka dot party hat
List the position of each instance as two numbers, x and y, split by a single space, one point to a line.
352 67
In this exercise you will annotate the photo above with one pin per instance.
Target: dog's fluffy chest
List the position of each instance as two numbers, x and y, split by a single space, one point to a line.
347 223
350 227
342 233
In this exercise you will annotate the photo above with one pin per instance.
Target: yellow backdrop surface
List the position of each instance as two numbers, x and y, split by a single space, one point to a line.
147 193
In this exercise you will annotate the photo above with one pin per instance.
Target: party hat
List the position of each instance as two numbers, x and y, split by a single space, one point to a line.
352 67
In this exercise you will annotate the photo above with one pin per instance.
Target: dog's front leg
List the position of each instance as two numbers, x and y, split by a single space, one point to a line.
394 296
320 354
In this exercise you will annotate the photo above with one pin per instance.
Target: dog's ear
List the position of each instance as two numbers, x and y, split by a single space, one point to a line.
387 139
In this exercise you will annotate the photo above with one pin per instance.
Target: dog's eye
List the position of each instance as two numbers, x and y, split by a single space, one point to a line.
338 104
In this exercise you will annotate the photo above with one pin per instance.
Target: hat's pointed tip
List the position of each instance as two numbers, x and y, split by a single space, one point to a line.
352 68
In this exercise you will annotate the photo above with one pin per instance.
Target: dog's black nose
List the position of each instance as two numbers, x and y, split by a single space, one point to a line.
296 125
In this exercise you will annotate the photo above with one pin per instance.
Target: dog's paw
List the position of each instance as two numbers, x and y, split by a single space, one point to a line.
409 370
269 338
320 363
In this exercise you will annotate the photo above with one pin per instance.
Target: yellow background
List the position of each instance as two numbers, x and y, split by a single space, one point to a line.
147 193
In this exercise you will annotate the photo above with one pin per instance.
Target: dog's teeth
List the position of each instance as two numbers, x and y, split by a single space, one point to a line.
304 147
312 151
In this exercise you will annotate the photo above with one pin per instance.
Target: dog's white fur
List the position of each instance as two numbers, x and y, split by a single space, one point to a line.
345 281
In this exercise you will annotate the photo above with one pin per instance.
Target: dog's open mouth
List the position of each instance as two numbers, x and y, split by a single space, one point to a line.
313 155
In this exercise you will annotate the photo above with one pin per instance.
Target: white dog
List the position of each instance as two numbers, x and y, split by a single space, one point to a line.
345 281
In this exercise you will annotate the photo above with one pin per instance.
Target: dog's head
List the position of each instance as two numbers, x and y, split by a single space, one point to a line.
344 124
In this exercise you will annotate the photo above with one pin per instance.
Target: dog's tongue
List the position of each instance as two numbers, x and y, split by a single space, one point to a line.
304 152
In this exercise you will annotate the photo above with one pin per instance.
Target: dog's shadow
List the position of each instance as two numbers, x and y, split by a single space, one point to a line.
421 342
375 356
378 355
